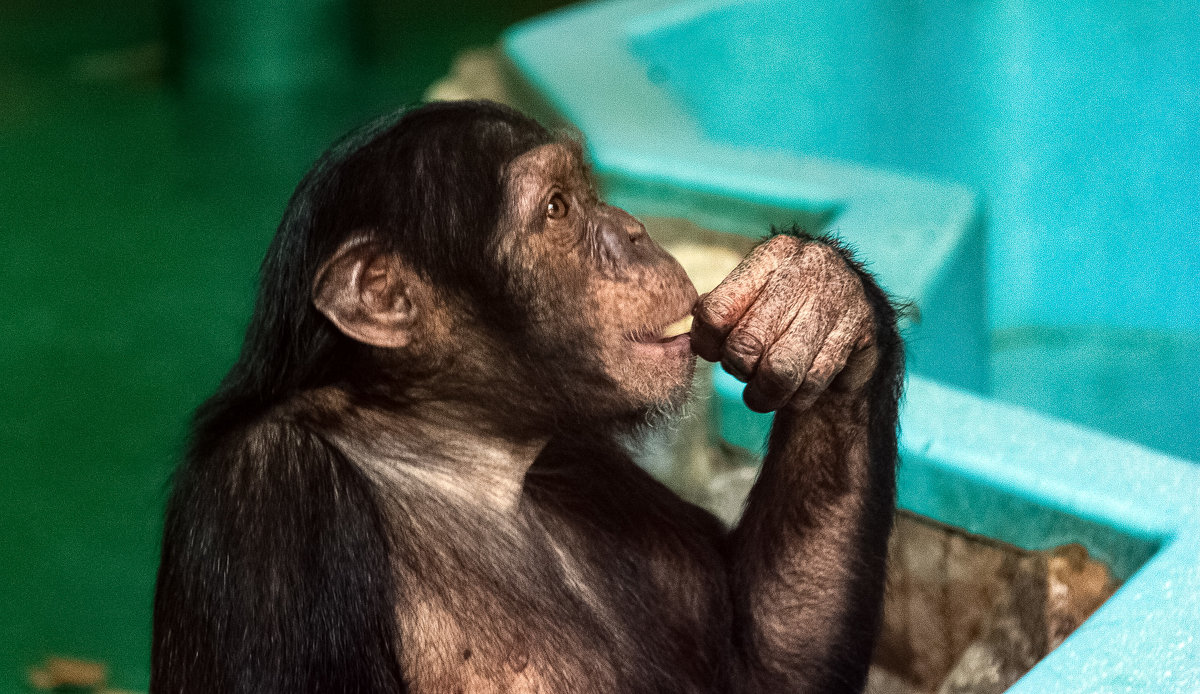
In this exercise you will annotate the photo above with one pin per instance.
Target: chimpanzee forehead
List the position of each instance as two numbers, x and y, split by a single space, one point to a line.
561 161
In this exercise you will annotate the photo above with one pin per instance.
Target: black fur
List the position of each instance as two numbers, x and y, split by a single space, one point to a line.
285 563
798 496
275 573
275 569
428 180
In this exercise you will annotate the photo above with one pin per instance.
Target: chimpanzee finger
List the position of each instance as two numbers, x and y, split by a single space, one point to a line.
769 318
773 385
860 367
830 361
783 367
721 309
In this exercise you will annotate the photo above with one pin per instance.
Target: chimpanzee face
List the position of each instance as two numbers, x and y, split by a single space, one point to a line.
595 283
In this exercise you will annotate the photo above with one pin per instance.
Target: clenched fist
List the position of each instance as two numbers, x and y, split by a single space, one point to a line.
792 321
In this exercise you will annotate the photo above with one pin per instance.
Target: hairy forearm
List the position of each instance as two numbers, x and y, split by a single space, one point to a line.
808 559
815 339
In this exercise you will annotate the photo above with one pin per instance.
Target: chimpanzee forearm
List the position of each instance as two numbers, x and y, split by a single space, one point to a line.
409 481
808 559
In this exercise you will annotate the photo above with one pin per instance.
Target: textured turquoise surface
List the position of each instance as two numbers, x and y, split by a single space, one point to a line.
1077 122
1039 482
1079 119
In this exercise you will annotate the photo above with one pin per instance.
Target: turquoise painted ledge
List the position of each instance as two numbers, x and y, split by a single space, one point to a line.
924 239
1039 482
968 461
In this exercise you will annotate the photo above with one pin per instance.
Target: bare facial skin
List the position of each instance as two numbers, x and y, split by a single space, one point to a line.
610 282
413 479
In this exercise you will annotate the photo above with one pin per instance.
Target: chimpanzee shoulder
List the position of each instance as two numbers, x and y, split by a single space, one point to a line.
276 562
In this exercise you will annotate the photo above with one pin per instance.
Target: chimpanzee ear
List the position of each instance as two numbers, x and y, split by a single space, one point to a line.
368 293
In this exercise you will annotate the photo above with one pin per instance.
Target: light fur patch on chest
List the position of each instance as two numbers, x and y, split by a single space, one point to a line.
443 654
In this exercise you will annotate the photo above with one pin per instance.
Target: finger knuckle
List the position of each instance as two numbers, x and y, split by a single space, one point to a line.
744 343
784 369
715 309
824 253
741 366
860 317
823 371
866 328
784 241
820 255
806 394
780 246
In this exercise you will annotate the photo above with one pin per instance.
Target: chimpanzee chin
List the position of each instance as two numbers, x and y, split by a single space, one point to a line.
411 479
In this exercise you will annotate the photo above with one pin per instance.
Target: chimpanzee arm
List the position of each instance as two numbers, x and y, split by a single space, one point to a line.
275 574
808 560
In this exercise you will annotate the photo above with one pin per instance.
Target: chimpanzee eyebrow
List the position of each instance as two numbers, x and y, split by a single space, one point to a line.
569 169
562 165
575 145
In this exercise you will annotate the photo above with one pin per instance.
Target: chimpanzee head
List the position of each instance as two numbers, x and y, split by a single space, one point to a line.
459 253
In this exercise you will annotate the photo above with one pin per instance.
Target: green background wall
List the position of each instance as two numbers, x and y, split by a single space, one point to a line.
135 204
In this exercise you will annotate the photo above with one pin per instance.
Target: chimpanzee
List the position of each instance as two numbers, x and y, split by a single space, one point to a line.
412 481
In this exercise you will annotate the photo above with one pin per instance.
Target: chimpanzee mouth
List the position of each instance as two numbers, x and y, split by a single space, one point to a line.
677 331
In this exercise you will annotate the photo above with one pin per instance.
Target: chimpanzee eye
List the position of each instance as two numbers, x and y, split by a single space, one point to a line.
557 207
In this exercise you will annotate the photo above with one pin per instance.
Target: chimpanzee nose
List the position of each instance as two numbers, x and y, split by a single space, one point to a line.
621 221
624 240
633 227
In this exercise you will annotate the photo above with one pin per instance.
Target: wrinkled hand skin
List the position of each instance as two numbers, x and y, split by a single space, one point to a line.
793 322
815 339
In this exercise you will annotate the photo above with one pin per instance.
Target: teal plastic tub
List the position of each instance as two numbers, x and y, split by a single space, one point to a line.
1026 174
1076 122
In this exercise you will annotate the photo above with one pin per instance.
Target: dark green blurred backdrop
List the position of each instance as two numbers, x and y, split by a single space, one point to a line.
147 151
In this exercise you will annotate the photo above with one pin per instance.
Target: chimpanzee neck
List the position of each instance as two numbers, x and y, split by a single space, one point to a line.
442 448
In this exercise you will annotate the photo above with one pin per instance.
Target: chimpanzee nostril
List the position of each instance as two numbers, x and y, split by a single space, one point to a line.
623 242
635 231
